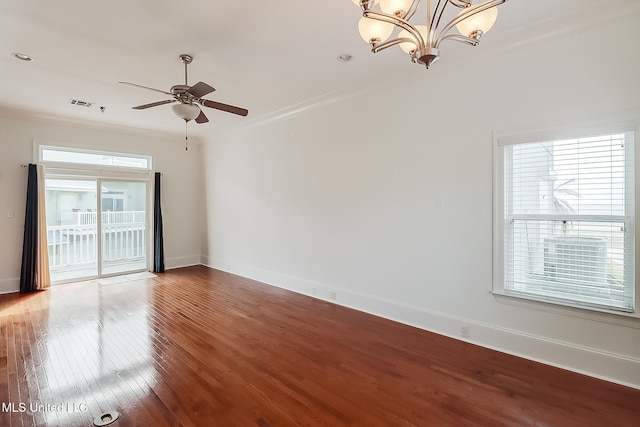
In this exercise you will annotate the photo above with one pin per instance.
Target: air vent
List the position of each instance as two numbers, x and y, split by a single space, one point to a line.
81 103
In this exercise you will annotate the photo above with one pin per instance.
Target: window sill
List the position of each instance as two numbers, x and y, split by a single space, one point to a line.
630 320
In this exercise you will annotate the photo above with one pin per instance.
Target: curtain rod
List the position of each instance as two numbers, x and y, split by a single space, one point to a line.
89 170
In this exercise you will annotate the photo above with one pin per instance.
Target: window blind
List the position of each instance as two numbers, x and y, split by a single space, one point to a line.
569 221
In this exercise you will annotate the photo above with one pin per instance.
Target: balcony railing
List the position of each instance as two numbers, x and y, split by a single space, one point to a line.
119 217
75 245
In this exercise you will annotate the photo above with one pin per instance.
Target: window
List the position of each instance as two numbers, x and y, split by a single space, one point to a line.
87 157
565 219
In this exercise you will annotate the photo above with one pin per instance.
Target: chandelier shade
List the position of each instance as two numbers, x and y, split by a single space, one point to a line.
411 46
399 7
380 18
480 22
372 29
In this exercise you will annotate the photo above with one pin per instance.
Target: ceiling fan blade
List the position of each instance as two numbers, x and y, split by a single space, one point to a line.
200 89
153 104
201 118
146 87
224 107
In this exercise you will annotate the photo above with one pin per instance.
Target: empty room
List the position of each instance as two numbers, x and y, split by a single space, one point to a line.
365 212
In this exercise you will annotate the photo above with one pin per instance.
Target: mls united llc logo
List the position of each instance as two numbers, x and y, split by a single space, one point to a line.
34 407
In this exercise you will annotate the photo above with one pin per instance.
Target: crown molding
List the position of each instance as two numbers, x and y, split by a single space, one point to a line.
54 119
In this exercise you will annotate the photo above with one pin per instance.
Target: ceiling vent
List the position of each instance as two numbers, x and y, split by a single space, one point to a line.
81 103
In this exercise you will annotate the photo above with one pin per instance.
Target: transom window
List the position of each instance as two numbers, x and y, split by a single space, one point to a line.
96 158
566 220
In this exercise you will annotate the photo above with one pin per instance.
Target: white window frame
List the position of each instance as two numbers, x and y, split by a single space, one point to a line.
41 147
100 173
592 127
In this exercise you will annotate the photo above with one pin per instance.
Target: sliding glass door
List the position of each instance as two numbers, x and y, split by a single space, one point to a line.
71 228
123 227
95 233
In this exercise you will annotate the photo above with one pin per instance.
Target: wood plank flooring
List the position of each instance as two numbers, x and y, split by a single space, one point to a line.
200 347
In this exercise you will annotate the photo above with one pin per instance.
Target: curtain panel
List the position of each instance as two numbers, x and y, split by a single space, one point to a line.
34 271
158 239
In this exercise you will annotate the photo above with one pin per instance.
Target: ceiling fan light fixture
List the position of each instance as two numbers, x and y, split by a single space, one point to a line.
189 98
186 112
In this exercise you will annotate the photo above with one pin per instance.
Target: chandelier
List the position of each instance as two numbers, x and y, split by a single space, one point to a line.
422 42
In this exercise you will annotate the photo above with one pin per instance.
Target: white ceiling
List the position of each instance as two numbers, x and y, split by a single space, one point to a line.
271 57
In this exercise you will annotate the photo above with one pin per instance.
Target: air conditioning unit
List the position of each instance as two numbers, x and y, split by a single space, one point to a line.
576 262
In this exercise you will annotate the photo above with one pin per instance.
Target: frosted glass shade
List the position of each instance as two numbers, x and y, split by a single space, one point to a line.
393 6
371 29
186 111
409 47
482 21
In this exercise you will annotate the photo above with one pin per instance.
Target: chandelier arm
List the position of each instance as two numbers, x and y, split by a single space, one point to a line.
460 3
435 12
389 43
429 18
398 22
412 9
460 38
431 21
464 15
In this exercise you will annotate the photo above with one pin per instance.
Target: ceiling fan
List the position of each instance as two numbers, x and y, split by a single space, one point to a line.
188 98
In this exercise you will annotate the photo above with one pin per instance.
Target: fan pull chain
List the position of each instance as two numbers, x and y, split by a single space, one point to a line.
186 138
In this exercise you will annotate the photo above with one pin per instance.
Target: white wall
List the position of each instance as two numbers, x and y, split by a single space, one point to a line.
385 200
181 184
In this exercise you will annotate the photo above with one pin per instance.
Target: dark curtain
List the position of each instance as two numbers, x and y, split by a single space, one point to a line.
29 269
158 240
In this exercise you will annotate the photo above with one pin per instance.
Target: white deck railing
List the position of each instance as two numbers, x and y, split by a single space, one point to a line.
123 239
119 217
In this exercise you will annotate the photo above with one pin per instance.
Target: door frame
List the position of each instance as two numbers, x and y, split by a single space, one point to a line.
147 224
105 175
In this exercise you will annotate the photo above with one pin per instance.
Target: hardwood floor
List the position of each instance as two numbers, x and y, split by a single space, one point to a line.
200 347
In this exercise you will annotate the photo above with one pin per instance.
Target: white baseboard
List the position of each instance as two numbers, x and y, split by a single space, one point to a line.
185 261
588 361
8 286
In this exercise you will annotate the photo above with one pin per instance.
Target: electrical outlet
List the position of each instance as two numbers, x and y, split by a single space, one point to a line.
464 331
333 295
